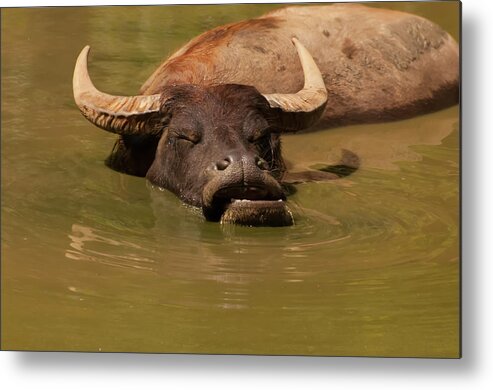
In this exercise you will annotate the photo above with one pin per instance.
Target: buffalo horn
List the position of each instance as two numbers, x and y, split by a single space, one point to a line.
309 100
124 115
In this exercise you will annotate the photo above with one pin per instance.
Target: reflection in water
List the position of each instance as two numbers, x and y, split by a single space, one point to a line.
82 236
96 260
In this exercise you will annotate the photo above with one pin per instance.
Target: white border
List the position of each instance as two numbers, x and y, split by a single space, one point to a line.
474 371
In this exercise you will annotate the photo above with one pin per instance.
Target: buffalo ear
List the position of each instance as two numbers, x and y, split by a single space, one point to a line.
133 155
292 122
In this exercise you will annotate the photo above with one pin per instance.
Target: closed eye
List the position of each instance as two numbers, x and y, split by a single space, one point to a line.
185 137
189 136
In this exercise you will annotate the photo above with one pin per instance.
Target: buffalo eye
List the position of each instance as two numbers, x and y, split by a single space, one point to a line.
190 136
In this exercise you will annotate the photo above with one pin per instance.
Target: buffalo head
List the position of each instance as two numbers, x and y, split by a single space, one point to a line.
215 146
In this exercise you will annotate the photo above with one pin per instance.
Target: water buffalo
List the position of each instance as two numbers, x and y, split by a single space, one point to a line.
207 123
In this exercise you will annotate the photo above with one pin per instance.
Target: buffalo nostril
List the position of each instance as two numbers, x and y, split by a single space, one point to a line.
261 163
223 164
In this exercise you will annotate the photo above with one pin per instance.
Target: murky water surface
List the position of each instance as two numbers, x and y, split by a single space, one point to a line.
94 260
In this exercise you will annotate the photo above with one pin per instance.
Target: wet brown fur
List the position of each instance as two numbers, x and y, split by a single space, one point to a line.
377 64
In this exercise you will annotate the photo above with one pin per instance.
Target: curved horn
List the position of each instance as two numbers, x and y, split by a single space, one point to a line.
124 115
312 98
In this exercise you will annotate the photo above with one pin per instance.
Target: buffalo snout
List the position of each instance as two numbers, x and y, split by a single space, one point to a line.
240 181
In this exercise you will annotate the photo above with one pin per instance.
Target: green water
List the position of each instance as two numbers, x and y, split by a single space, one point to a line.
93 260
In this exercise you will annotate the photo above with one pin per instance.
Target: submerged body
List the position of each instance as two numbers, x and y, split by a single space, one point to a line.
208 121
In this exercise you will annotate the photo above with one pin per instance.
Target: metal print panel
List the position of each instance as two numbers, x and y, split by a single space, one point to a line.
232 179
